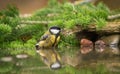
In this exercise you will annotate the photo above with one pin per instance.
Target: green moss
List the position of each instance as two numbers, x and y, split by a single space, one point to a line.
68 40
100 23
5 30
17 47
71 15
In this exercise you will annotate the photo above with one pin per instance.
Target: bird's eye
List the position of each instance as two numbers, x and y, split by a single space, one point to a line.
37 46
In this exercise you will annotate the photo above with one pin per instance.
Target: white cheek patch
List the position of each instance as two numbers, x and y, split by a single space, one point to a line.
37 51
55 65
37 44
54 31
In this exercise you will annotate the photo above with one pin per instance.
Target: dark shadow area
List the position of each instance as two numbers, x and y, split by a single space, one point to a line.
91 35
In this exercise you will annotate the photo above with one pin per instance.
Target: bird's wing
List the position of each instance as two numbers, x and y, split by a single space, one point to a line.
44 37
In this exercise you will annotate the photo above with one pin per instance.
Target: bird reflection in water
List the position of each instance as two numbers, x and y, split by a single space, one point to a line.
50 57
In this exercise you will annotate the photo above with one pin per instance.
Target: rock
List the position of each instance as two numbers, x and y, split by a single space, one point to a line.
112 42
86 46
111 39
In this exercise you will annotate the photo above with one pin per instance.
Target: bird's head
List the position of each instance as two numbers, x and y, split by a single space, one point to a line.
55 30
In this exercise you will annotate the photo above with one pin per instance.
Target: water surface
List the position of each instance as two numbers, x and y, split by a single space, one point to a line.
73 62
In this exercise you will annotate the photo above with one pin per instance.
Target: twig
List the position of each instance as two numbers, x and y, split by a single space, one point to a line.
35 22
112 17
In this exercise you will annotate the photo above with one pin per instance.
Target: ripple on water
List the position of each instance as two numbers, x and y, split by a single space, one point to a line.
7 59
22 56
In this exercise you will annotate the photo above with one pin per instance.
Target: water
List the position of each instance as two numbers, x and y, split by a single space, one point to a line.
72 63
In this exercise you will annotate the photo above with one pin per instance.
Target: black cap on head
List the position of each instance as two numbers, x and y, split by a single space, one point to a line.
55 27
55 30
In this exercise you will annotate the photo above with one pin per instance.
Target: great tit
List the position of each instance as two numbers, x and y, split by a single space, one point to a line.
50 38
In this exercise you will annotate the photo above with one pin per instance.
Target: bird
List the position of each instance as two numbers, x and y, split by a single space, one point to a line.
50 38
86 46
